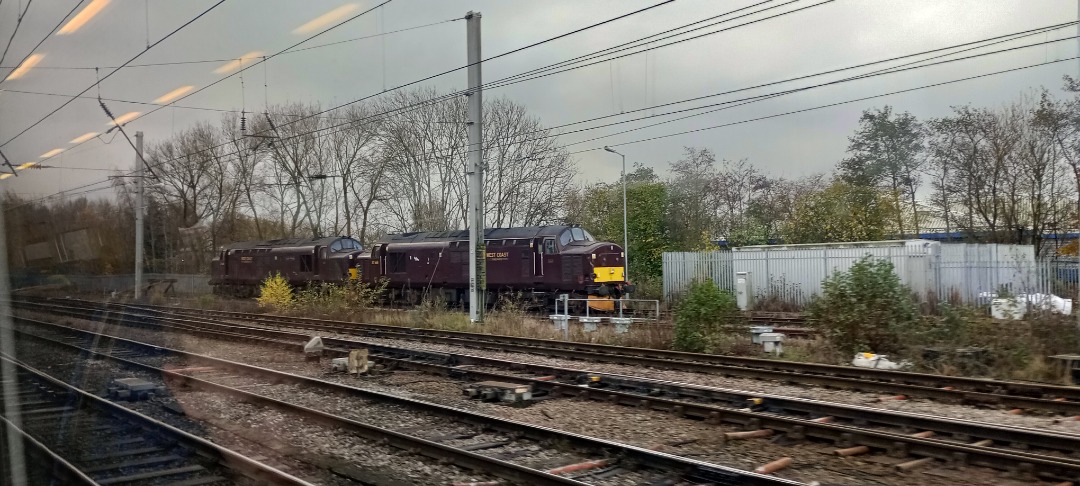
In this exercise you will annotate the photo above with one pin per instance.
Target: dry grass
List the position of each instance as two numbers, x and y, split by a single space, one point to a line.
508 321
1016 350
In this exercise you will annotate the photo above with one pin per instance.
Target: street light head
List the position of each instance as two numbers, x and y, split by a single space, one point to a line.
316 177
609 149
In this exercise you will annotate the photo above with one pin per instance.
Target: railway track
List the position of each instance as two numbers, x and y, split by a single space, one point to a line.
1022 395
84 439
903 437
507 449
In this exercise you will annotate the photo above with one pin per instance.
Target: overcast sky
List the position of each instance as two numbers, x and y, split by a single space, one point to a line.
830 36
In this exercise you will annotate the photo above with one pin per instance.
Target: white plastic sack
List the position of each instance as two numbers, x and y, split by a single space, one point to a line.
1044 302
879 361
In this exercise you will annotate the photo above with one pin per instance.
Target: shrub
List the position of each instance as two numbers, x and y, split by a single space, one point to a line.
648 287
359 295
348 297
865 309
705 317
276 293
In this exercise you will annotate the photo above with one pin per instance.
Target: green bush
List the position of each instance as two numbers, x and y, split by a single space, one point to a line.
276 293
866 309
706 317
349 296
648 287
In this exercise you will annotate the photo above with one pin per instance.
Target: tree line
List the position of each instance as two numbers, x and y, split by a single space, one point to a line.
393 165
1005 174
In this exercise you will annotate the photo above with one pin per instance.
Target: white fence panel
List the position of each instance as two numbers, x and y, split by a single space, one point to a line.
681 268
794 273
955 271
969 270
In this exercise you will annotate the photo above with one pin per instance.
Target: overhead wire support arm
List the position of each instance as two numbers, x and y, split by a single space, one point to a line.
8 163
138 150
114 71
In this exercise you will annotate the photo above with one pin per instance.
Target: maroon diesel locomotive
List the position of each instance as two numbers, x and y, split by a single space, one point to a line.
240 268
536 263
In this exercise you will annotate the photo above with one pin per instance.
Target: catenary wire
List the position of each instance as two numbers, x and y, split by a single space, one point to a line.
392 89
208 61
14 31
951 47
718 126
736 103
404 85
43 39
458 93
114 71
752 99
713 127
262 61
399 87
830 105
758 97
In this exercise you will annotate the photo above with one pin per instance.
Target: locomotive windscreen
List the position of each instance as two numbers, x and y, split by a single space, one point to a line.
345 244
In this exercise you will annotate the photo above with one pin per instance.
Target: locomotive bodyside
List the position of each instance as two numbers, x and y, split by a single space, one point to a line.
240 268
535 263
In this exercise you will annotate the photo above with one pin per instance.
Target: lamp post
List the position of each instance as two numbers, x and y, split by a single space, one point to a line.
344 196
626 245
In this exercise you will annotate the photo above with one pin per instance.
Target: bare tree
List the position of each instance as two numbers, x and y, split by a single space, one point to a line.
527 172
527 175
358 163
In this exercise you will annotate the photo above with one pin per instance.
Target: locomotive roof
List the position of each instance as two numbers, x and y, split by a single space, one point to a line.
284 243
489 234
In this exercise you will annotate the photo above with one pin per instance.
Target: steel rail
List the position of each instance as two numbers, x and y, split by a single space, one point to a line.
897 445
697 470
998 433
987 392
261 473
596 351
61 469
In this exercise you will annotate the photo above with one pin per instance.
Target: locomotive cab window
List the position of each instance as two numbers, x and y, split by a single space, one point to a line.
345 244
565 238
549 245
575 234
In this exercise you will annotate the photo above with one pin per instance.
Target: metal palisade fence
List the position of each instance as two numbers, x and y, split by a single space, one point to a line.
180 284
959 272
